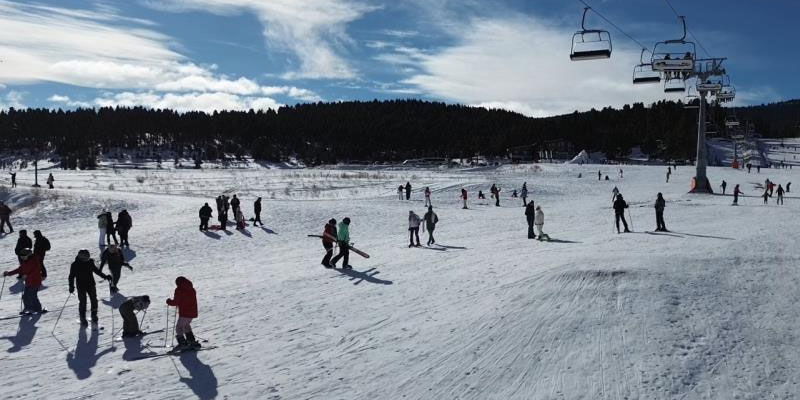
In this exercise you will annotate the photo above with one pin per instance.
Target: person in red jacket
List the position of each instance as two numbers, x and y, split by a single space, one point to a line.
31 267
327 242
186 301
464 197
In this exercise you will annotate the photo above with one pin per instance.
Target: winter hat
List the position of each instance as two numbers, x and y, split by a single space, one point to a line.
83 255
332 221
538 207
37 233
346 220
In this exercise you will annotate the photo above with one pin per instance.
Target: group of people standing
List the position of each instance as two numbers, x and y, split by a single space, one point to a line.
108 228
224 206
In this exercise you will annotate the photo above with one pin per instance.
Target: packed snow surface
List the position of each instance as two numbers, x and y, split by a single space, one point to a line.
706 311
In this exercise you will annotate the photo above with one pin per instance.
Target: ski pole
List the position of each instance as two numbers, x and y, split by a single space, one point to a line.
172 342
3 287
111 336
166 327
61 312
144 313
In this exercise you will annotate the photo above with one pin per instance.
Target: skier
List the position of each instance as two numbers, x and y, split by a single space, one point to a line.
50 180
13 179
530 216
408 190
31 268
102 224
765 196
481 196
539 221
413 228
428 196
736 193
431 219
128 308
111 232
257 212
185 299
780 195
659 206
724 186
40 247
524 193
400 192
619 212
116 260
343 238
205 215
23 242
235 204
80 276
614 193
328 233
124 225
464 197
5 213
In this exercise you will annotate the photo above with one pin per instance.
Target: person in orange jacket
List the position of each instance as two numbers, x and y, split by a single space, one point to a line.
185 299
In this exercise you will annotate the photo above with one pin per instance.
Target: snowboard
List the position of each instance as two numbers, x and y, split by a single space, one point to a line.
353 249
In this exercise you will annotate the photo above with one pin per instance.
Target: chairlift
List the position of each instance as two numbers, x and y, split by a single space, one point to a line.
674 85
728 91
692 100
590 44
731 121
676 55
643 73
709 86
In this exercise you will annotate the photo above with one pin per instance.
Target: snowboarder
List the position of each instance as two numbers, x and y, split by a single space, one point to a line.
530 216
343 237
659 206
23 242
128 308
524 193
431 219
31 268
116 260
619 212
185 298
13 179
400 192
413 228
111 232
5 213
464 197
496 194
428 197
235 204
205 215
50 180
102 225
40 247
539 221
481 196
780 195
257 212
724 186
81 276
736 193
408 190
124 225
327 243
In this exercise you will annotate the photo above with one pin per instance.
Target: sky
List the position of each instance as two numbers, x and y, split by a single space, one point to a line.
258 54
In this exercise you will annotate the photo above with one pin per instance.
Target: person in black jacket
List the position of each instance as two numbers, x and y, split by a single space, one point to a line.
124 224
235 204
128 308
110 232
24 242
116 260
619 212
408 190
205 215
257 212
530 215
80 276
40 247
659 206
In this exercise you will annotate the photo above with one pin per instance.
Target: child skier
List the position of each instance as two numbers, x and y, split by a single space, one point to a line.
539 221
185 299
128 308
32 269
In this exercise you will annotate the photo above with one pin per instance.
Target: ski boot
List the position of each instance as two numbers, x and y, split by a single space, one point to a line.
191 342
181 346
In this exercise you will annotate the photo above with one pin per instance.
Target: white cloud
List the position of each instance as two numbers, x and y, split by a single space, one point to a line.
192 101
522 64
314 31
12 99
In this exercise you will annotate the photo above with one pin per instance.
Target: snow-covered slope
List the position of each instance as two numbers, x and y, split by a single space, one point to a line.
706 311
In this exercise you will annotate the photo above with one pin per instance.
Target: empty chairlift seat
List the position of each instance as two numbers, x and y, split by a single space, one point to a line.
590 44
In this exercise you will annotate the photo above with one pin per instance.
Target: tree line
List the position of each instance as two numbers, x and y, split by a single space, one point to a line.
369 131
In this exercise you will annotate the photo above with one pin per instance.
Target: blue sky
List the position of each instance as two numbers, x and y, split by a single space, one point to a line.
241 54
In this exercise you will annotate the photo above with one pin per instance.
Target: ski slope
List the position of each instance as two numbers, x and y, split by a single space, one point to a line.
707 311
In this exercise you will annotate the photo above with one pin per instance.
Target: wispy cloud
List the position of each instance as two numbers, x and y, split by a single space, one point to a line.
314 31
182 102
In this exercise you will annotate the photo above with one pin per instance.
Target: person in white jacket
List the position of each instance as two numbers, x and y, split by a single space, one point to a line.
413 228
102 222
538 220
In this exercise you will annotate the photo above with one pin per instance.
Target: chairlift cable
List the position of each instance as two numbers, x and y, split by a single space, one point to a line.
615 26
688 30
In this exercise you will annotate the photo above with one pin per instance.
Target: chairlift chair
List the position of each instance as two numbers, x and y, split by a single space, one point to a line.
731 121
643 73
674 85
728 92
590 44
666 58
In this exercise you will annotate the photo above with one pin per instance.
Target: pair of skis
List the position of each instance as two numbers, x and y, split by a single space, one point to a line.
171 353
